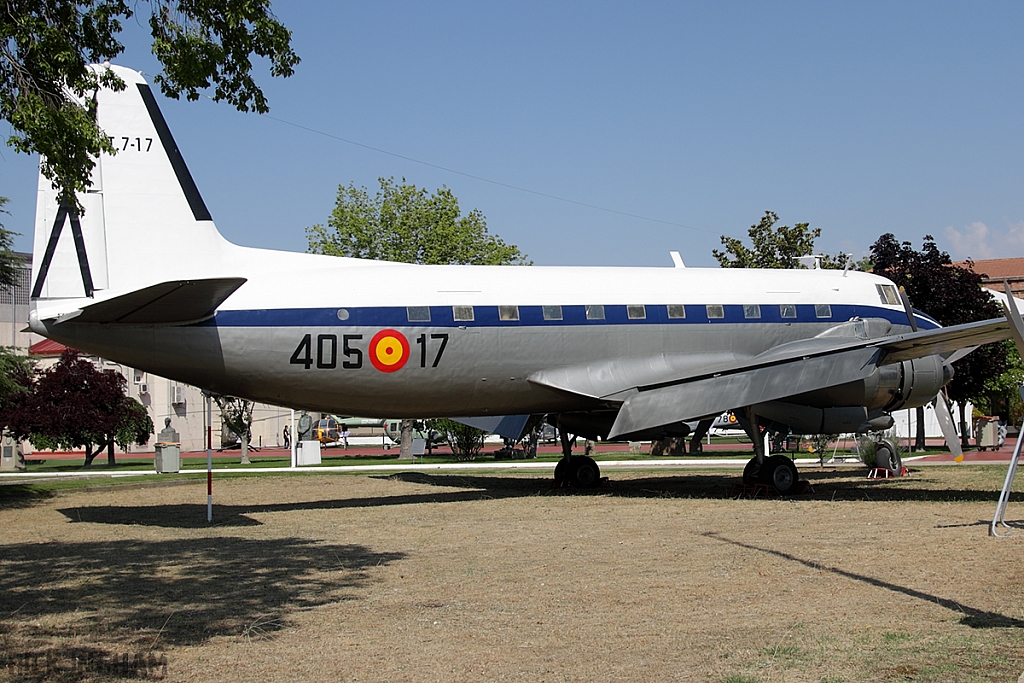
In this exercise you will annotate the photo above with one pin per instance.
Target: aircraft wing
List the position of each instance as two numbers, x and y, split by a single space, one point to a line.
943 341
718 384
178 301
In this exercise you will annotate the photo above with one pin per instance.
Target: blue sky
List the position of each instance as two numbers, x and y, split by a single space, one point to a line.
858 118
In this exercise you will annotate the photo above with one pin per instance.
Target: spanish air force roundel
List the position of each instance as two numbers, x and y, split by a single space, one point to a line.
389 350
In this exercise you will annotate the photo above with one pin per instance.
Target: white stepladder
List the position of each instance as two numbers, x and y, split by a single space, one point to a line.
999 520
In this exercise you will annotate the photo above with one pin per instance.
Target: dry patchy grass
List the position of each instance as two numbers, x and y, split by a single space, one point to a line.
445 577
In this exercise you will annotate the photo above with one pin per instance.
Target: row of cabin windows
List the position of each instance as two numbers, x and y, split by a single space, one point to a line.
421 314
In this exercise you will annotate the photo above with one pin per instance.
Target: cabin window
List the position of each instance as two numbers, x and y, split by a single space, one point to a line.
462 314
552 312
676 311
823 310
888 294
418 314
595 312
508 313
751 311
716 311
787 310
636 312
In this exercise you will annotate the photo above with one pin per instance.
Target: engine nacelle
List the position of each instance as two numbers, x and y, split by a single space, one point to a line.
907 384
910 383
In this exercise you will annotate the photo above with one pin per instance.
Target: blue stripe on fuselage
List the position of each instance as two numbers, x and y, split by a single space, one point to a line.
532 316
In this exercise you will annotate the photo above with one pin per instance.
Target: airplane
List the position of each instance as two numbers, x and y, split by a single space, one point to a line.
144 278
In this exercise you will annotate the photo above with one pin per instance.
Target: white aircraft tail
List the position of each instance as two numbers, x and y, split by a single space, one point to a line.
145 222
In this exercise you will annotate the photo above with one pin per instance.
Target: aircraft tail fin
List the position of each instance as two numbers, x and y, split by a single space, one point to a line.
144 220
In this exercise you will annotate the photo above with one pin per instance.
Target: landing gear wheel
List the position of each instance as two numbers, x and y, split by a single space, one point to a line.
579 471
887 456
584 472
562 469
752 473
777 470
780 472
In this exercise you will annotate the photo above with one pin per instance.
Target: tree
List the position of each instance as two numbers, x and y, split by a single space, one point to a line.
405 223
952 296
47 89
15 380
465 441
774 247
237 415
8 261
74 405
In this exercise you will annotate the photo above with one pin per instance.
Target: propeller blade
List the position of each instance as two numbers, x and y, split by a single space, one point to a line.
909 309
1013 315
959 353
945 419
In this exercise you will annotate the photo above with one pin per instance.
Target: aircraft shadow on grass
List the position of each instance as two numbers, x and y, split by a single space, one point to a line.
972 617
180 591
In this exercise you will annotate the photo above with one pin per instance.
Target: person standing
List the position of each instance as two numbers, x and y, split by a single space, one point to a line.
344 436
286 433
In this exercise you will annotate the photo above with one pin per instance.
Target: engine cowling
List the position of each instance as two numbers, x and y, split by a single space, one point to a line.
907 384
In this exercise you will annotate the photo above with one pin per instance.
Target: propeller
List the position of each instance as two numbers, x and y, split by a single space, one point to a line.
909 309
1013 315
945 419
942 413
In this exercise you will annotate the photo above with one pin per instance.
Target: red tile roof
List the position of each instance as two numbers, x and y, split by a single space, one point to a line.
997 268
47 347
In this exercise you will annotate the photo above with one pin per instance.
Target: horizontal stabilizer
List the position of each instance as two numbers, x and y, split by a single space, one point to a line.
507 426
664 405
180 301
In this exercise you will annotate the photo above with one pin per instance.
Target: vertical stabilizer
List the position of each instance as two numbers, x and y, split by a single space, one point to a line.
145 221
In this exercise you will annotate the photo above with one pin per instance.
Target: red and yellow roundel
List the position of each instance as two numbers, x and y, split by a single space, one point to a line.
389 350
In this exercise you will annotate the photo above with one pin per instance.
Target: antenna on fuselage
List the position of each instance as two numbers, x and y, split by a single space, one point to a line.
677 260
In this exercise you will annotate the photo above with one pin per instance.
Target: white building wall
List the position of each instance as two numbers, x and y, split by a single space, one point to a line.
906 422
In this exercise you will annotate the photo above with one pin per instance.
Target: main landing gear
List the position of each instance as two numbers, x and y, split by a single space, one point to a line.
776 470
575 470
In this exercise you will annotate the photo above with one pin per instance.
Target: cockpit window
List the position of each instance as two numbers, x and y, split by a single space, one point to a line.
888 294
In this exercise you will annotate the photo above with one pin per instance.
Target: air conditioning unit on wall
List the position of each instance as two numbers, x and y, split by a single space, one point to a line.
177 395
143 388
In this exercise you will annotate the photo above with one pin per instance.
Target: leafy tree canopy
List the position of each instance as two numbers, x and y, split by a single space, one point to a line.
774 246
16 373
47 90
406 223
75 405
949 294
8 261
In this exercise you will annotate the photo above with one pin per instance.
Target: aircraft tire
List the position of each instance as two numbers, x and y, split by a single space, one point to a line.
888 456
751 475
780 472
562 471
584 472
